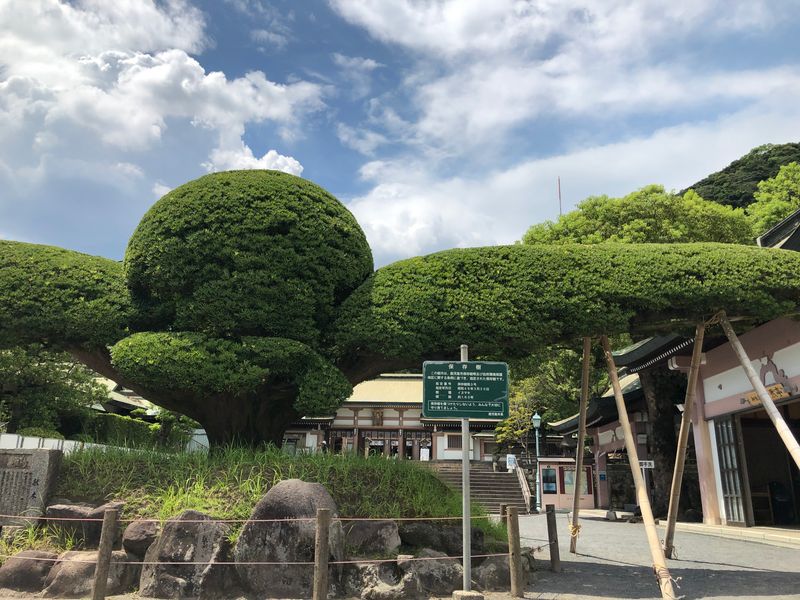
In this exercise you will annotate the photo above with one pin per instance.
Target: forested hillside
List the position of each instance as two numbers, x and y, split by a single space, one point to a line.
735 184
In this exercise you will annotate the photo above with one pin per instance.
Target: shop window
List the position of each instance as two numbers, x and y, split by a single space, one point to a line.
290 446
568 481
454 442
549 483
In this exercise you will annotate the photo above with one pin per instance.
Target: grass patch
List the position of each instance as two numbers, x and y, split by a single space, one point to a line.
50 538
227 484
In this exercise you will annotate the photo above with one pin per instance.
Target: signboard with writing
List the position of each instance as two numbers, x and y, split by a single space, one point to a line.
647 464
776 392
476 390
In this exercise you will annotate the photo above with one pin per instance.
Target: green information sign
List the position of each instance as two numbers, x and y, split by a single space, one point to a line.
476 390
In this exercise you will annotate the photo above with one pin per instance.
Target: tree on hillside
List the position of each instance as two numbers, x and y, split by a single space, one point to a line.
515 429
549 379
776 199
44 390
247 299
646 215
736 184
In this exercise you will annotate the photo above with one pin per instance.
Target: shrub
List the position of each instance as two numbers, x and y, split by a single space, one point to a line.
40 432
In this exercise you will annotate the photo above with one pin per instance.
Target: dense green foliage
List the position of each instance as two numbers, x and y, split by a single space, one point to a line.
648 215
60 297
513 299
227 484
514 430
549 380
196 363
776 198
251 301
45 390
736 184
258 253
128 432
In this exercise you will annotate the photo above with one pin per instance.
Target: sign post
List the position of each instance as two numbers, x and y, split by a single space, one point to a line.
466 507
467 390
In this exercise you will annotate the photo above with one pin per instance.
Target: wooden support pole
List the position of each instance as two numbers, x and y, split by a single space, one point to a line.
515 553
656 552
683 440
321 554
107 535
575 527
552 538
766 400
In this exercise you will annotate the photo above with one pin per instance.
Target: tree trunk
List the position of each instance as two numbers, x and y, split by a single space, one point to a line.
662 390
251 420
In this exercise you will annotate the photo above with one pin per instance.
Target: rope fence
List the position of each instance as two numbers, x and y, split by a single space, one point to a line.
247 520
111 521
257 563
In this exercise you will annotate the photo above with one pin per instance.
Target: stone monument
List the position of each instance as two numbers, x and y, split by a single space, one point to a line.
26 478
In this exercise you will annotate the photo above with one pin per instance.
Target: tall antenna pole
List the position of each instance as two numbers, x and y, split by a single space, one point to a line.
559 196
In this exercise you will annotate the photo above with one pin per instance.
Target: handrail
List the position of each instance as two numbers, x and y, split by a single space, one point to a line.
523 484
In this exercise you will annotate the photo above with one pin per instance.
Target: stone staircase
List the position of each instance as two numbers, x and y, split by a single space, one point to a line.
488 488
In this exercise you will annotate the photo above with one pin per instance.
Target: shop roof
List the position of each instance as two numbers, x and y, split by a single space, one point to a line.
785 234
396 389
603 409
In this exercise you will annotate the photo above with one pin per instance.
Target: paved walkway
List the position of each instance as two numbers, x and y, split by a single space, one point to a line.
614 562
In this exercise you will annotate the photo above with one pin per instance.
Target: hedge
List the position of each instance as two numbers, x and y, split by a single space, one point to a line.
60 297
195 363
510 299
246 253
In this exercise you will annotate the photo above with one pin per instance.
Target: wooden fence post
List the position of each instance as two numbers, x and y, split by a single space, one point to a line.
514 553
552 537
107 535
321 554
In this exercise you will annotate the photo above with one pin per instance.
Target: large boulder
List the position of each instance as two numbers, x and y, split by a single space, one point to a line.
26 571
286 540
438 575
192 537
364 539
442 537
83 521
139 535
219 580
73 575
493 574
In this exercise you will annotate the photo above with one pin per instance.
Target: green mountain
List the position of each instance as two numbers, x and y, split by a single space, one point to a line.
735 184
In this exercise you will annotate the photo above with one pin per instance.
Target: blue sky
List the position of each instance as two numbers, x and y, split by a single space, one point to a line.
438 124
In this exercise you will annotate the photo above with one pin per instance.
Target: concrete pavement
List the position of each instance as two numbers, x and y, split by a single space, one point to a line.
613 561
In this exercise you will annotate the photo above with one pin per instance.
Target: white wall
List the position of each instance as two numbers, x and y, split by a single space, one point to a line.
12 441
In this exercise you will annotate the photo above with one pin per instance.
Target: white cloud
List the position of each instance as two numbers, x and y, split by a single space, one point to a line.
96 82
243 158
412 210
357 72
272 30
160 189
271 38
362 140
484 69
458 28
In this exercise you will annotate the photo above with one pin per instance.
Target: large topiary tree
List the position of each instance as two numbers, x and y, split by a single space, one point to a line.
247 299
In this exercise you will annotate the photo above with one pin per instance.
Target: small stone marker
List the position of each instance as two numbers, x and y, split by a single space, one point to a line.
26 477
462 595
